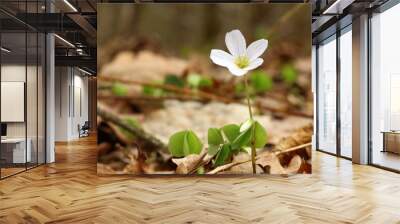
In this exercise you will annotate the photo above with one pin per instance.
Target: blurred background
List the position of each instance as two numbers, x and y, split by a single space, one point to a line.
184 29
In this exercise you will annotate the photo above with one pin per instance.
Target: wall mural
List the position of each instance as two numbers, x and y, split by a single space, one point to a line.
194 89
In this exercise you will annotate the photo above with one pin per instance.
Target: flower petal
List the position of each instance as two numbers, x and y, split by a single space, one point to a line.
221 58
236 71
235 43
257 48
254 64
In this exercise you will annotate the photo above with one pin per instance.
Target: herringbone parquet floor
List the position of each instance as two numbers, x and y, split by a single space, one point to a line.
69 191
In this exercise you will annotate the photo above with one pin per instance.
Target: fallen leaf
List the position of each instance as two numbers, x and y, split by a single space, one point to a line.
295 165
270 163
186 164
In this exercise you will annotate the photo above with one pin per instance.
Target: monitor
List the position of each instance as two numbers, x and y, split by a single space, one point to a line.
3 129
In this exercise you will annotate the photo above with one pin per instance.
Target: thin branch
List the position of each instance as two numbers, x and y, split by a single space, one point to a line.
138 132
227 166
168 87
200 95
148 98
230 165
199 163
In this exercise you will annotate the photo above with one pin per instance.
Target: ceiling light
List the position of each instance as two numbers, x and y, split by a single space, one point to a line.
70 5
65 41
5 50
338 6
84 71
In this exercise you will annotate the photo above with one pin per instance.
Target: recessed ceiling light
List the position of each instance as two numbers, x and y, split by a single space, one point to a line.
84 71
338 6
70 5
5 50
65 41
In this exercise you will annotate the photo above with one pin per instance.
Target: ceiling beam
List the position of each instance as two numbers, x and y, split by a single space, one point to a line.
76 61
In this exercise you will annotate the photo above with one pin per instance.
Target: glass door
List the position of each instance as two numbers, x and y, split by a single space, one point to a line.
14 153
345 92
22 93
385 89
327 95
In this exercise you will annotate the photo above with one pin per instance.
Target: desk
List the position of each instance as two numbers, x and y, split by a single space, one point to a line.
391 141
13 150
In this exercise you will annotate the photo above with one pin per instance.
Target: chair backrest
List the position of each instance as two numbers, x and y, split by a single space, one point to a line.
86 124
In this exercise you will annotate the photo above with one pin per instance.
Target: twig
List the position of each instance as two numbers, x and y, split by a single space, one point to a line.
293 148
168 87
200 95
138 132
230 165
199 162
227 166
148 98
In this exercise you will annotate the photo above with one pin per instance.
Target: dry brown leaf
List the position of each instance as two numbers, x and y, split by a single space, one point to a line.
270 163
295 165
243 167
300 136
186 164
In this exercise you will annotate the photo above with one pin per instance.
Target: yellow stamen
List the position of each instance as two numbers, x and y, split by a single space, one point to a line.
242 61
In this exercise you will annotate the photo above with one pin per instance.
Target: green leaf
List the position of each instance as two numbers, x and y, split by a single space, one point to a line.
152 91
260 81
260 135
214 137
231 131
243 139
289 74
249 131
213 149
175 144
194 80
184 143
174 80
246 125
206 82
197 81
192 144
119 89
222 155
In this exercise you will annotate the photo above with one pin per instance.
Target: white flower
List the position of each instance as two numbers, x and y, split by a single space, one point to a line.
241 60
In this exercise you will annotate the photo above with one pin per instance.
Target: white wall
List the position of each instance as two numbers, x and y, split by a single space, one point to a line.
71 94
12 73
33 126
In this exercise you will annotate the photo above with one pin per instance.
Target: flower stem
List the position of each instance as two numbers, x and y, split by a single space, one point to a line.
246 85
253 149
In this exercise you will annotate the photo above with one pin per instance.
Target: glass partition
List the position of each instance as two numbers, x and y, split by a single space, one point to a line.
22 77
327 95
346 92
13 94
385 89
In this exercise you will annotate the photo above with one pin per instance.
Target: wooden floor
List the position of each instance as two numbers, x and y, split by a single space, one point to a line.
69 191
387 159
